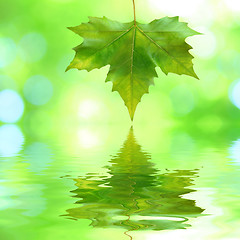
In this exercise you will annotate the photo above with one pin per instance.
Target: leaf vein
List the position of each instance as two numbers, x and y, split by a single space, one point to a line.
163 49
131 76
113 41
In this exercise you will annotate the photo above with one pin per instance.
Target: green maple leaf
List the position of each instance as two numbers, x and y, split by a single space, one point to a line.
133 51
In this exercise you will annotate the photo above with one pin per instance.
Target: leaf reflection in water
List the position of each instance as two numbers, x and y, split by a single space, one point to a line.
135 196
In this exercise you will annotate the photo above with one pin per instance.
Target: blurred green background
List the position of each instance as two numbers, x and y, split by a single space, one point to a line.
54 123
36 47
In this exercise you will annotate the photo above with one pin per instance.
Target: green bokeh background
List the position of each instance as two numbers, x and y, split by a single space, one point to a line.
183 123
80 97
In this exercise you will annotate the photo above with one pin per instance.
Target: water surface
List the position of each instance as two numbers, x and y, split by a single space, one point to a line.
175 184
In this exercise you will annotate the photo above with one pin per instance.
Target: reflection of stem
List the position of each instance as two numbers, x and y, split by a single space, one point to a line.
134 200
134 12
128 230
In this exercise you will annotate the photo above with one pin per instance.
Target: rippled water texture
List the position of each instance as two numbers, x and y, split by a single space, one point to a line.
175 185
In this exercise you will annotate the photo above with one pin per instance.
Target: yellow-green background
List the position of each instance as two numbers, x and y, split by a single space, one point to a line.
79 96
183 123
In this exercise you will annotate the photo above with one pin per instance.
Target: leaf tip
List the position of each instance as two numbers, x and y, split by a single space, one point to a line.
195 76
67 69
131 114
199 33
71 28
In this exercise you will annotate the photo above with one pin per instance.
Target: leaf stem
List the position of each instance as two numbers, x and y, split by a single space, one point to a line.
134 12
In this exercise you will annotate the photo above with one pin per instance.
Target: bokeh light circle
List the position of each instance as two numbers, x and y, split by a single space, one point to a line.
8 51
88 109
184 8
235 152
11 140
38 90
88 139
204 45
11 106
234 93
233 5
32 47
